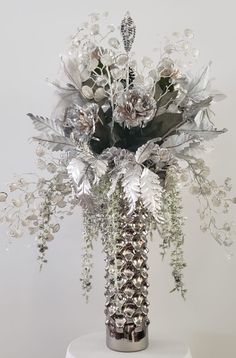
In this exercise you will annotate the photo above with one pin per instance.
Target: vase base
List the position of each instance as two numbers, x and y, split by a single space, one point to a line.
93 345
119 343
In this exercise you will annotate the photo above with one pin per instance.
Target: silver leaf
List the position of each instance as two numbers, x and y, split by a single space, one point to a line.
197 87
46 125
55 143
151 193
131 184
144 152
77 170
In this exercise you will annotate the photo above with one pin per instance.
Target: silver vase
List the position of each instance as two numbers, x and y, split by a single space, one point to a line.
126 283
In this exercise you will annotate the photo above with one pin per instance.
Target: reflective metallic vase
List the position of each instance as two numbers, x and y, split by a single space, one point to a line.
126 283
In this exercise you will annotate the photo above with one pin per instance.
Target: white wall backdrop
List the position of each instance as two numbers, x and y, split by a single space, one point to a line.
40 313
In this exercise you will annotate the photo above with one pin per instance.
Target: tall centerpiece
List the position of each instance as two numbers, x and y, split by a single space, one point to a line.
120 143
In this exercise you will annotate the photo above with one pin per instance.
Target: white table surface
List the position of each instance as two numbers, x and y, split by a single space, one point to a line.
94 345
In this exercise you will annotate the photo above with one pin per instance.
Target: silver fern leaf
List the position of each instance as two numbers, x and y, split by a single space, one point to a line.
46 125
55 142
83 193
131 185
77 170
151 193
78 173
128 31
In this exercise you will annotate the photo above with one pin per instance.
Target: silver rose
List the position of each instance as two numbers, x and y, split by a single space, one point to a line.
79 122
134 108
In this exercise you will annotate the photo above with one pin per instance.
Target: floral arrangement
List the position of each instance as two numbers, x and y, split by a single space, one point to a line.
121 128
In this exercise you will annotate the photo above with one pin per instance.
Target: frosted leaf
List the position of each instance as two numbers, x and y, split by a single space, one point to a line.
217 95
17 203
13 187
29 198
15 233
56 228
3 197
49 237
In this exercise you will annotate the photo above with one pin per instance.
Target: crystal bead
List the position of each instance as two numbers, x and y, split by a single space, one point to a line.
189 33
114 42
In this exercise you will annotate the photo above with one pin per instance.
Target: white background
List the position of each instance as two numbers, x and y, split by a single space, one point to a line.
40 313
